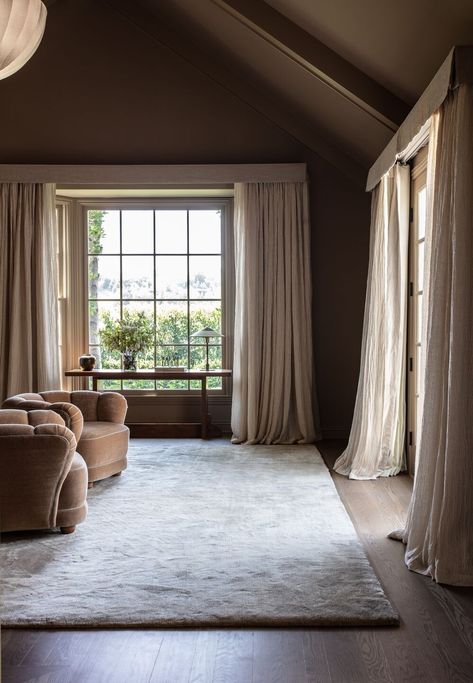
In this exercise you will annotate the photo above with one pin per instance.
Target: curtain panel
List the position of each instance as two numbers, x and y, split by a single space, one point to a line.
74 295
273 377
376 443
29 356
439 529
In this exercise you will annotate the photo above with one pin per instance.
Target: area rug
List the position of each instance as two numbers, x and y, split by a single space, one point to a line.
199 533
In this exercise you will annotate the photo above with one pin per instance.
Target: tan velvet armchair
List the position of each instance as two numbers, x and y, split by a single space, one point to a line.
97 421
44 480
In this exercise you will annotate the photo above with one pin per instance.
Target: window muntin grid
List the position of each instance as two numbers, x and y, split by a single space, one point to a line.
195 297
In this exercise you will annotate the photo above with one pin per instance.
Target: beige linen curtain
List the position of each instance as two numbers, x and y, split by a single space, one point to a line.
273 392
29 355
439 529
376 443
73 295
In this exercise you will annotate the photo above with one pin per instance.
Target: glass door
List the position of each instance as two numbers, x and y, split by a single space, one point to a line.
416 297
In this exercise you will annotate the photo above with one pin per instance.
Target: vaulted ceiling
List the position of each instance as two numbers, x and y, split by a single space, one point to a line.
339 75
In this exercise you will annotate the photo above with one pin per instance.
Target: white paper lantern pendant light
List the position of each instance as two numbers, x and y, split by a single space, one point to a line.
22 25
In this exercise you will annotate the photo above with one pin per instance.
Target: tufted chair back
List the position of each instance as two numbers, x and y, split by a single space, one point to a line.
36 454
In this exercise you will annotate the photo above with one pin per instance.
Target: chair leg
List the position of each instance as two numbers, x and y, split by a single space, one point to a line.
68 529
117 474
90 485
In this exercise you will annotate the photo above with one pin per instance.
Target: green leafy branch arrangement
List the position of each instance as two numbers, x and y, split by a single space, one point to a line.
135 332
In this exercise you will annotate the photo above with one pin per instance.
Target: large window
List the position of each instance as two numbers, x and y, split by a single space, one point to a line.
166 262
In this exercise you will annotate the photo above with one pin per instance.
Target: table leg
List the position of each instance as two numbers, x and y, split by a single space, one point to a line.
94 383
204 410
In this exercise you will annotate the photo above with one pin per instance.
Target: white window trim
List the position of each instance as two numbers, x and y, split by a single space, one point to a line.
75 341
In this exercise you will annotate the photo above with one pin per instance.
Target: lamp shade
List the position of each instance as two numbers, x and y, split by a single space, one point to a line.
22 25
206 332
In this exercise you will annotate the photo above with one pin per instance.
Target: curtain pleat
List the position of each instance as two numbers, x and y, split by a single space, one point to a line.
376 443
439 529
29 356
273 367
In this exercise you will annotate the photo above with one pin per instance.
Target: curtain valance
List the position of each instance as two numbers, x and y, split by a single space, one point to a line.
457 69
133 175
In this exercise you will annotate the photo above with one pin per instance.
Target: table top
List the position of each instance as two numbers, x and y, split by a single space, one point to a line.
148 374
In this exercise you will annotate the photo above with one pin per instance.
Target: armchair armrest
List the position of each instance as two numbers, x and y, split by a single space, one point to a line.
58 430
111 407
71 415
35 462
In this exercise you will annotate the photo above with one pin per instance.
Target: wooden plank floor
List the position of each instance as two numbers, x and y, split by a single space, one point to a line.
434 643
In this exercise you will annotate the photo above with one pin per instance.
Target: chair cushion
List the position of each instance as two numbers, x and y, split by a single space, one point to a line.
102 443
102 430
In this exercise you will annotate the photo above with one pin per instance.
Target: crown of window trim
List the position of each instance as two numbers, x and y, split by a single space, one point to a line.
137 175
456 70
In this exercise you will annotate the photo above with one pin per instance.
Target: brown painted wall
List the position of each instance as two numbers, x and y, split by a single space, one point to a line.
98 90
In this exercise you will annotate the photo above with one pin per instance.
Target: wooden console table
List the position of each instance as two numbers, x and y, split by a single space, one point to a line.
200 375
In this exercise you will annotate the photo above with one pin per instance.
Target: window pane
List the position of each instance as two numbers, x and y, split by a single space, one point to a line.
417 426
198 357
171 232
418 365
104 277
422 209
109 360
419 319
420 266
206 314
172 384
171 322
104 231
96 312
198 362
168 356
171 356
138 277
94 351
114 384
144 359
137 232
171 277
146 307
138 384
197 349
205 274
212 383
106 358
205 232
